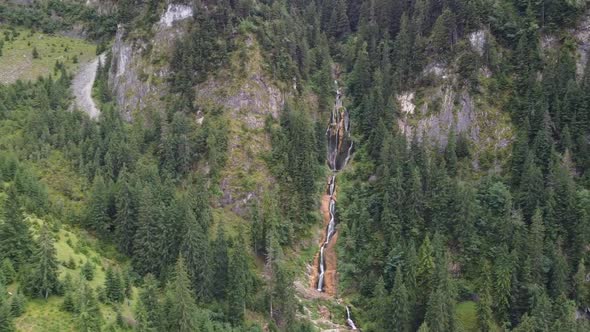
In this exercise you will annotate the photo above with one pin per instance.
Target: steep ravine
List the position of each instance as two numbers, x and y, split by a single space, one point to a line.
340 147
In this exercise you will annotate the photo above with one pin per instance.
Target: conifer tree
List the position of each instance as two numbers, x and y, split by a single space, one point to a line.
147 241
237 286
126 217
15 237
339 24
484 305
43 280
401 306
197 253
97 213
6 318
559 273
182 311
112 286
536 239
7 271
221 268
89 315
581 294
381 306
87 270
502 276
148 311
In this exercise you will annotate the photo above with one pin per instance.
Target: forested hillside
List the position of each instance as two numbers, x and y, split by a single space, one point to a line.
289 165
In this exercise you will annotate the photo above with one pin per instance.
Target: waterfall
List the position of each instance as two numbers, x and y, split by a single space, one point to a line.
349 320
340 148
339 151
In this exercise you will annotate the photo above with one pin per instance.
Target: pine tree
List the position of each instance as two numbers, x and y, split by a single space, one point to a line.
257 231
147 241
87 270
17 305
148 311
502 283
112 286
237 287
581 294
531 188
195 250
182 313
43 280
381 306
126 218
484 305
68 304
97 212
401 306
443 37
7 270
559 274
535 243
440 312
221 268
339 24
6 318
425 268
360 77
89 316
15 237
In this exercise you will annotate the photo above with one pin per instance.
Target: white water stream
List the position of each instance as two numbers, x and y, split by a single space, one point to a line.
340 148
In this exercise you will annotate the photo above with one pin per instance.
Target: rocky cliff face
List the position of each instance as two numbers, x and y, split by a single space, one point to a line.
248 97
138 78
139 68
432 113
582 38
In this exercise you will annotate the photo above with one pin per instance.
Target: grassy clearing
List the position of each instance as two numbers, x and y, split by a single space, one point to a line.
17 60
467 315
70 243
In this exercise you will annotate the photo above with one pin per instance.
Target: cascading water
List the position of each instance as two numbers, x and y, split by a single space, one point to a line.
340 147
349 320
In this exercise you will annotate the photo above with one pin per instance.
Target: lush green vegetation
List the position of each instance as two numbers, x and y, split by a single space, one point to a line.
54 16
18 60
114 225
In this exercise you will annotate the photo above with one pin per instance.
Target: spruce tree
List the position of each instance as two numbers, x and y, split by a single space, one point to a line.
401 305
126 218
197 253
17 305
43 280
182 312
89 318
381 306
237 286
221 266
112 286
6 318
97 212
339 24
7 270
148 311
581 293
15 237
147 242
485 318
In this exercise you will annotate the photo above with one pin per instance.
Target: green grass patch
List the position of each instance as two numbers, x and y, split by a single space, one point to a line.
79 246
467 315
17 60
